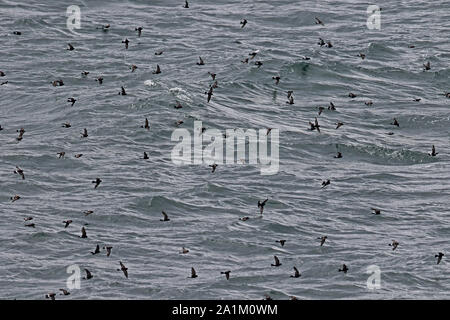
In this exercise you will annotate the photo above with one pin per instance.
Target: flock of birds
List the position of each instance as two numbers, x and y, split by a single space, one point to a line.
261 204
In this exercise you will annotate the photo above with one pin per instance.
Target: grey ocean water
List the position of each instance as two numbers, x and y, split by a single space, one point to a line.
390 172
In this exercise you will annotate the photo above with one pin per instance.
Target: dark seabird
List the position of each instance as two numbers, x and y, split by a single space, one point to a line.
277 262
395 123
97 182
368 103
376 211
105 27
31 225
433 151
314 126
277 79
394 245
321 110
70 48
306 58
139 30
258 63
85 133
100 80
78 155
322 240
17 33
296 273
123 269
325 183
158 70
158 53
253 54
290 99
27 218
122 91
50 296
83 232
318 21
439 256
339 124
213 166
245 60
1 128
88 212
213 75
2 74
184 250
88 275
166 217
267 297
338 155
289 93
329 44
145 156
226 273
15 198
417 99
193 273
64 292
243 23
331 106
427 66
178 105
201 62
56 83
352 95
72 100
344 268
244 218
97 250
108 250
67 223
209 93
133 67
146 125
268 131
61 154
186 4
84 73
3 83
19 172
179 123
362 55
261 205
126 41
321 42
282 242
293 297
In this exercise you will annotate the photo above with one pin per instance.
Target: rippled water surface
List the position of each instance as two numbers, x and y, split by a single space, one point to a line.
390 172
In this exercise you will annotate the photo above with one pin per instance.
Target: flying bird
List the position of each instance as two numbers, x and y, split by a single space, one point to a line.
296 273
261 205
19 172
166 217
277 262
439 256
123 269
226 273
97 182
